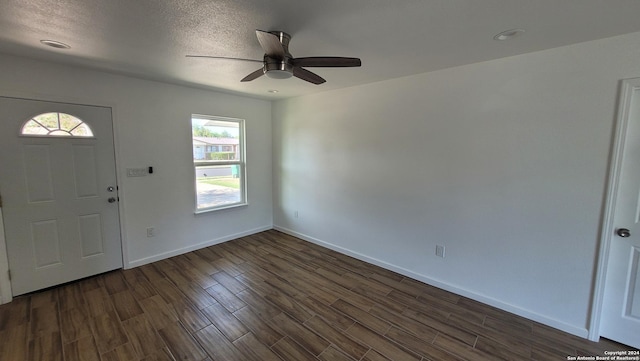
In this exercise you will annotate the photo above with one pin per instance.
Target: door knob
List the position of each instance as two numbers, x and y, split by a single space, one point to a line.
623 232
111 199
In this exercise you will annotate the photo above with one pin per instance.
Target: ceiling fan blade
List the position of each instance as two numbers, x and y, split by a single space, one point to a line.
256 74
223 57
271 44
306 75
326 62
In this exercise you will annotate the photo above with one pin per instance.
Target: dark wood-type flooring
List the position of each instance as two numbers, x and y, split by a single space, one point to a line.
268 296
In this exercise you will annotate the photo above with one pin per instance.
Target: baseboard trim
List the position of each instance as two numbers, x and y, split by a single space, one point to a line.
551 322
161 256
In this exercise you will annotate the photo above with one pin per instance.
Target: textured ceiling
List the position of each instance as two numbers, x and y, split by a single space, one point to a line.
150 38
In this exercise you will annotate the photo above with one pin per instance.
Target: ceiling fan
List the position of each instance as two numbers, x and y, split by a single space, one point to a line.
278 63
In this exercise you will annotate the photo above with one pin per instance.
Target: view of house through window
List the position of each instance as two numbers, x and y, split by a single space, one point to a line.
218 158
56 125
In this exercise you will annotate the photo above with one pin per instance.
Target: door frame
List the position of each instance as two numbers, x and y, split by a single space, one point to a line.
6 294
607 227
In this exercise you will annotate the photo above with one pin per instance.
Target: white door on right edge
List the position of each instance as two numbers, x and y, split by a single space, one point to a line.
620 318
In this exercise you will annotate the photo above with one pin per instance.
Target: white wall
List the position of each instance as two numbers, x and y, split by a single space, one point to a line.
153 128
503 162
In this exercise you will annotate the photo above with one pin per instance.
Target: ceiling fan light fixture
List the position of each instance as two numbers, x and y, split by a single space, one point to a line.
278 69
508 34
278 74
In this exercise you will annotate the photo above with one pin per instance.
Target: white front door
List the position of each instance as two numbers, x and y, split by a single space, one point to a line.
620 317
59 193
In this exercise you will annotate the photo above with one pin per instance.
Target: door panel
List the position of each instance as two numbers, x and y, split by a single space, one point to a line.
58 222
46 243
37 169
91 238
84 169
620 317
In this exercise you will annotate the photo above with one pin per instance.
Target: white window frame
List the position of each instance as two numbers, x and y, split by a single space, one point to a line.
241 163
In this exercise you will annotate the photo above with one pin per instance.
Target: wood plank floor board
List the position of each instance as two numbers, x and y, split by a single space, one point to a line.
499 350
374 355
15 313
379 299
289 350
121 353
463 350
14 342
512 342
329 314
70 297
336 278
98 301
158 312
421 345
300 334
217 346
108 331
260 328
44 319
333 354
225 297
74 324
189 315
229 282
378 325
114 282
182 344
225 321
126 305
412 303
467 337
259 305
144 339
290 306
269 296
141 288
83 349
341 340
254 349
383 345
201 264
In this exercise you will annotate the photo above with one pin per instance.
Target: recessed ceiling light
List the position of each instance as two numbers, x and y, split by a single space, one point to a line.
273 91
55 44
508 34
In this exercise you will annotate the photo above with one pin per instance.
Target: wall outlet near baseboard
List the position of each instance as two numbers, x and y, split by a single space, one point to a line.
151 232
295 214
440 251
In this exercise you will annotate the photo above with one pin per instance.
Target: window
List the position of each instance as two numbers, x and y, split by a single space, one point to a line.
219 162
56 125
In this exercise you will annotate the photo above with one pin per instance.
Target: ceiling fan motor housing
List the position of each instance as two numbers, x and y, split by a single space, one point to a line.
277 68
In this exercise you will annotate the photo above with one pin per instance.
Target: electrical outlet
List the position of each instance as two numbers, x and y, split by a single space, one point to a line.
151 232
440 251
295 214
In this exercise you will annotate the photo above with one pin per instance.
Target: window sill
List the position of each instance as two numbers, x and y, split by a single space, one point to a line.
207 210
